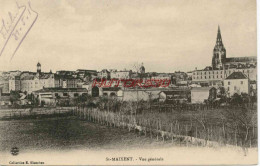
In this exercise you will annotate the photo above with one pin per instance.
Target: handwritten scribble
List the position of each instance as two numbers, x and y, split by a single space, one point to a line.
14 31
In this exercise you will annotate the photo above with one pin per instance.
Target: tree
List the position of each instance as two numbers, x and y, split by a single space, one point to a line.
240 120
83 98
236 100
221 92
14 96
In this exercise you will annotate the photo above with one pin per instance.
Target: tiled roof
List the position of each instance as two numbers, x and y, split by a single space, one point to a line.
236 75
45 75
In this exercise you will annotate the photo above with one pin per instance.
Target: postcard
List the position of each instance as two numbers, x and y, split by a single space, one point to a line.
128 82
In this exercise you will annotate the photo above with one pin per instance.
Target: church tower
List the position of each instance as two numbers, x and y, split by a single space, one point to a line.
142 69
219 53
38 68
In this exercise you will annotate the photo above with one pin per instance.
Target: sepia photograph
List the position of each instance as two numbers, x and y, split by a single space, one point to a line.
128 82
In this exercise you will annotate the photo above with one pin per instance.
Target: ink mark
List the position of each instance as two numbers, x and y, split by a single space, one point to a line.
14 151
20 25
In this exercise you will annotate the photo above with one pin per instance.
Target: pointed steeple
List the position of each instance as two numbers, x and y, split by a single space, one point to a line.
219 38
219 52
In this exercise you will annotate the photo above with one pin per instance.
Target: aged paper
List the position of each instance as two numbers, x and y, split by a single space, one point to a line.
127 82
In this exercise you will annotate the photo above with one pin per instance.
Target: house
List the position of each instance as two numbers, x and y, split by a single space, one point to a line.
111 91
5 100
126 74
51 95
238 83
104 74
66 81
200 94
14 83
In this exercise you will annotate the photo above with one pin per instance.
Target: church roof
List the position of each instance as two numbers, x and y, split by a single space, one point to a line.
241 59
236 75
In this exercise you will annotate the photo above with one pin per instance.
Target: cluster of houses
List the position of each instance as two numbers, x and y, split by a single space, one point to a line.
234 75
51 88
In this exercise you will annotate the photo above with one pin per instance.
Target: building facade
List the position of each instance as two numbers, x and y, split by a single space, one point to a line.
238 83
121 74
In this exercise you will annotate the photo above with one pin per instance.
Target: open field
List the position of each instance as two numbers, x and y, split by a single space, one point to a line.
70 140
68 133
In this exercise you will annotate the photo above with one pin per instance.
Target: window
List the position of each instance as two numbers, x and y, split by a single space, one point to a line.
205 77
76 94
241 82
235 88
65 94
56 94
228 83
228 88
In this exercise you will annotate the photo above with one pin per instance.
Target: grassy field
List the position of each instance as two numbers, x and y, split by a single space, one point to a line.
64 133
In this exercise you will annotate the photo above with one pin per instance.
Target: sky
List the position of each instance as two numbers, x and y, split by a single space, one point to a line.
167 36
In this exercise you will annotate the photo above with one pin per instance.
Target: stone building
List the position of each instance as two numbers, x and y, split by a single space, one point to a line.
238 83
14 83
104 74
51 96
217 76
126 74
35 81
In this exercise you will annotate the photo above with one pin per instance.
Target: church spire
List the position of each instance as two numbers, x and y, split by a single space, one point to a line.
219 53
219 38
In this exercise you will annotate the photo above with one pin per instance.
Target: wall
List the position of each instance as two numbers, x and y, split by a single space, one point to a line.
199 96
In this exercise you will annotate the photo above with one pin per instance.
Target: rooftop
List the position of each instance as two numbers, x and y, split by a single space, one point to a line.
236 75
242 59
61 90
